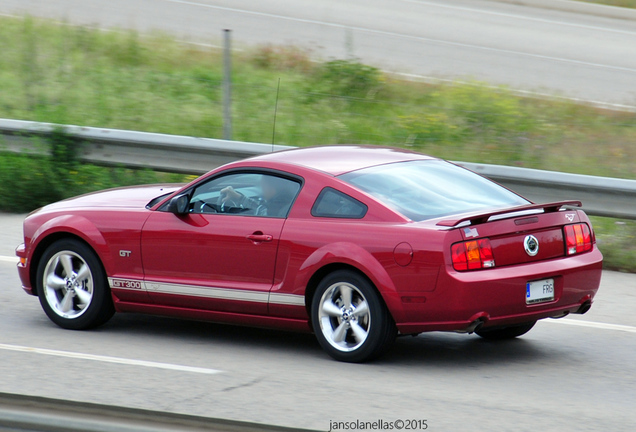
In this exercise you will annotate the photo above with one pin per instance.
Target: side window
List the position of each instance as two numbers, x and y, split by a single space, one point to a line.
249 194
335 204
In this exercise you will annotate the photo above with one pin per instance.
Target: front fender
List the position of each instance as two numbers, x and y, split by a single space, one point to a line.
78 226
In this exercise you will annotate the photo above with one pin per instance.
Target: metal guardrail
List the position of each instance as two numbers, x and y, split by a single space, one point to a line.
31 413
601 196
171 153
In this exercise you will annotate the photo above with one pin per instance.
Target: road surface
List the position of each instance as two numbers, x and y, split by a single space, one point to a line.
575 374
577 55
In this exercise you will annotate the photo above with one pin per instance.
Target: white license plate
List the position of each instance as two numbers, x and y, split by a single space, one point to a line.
540 291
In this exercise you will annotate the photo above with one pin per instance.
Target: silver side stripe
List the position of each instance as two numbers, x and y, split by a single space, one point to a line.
207 292
287 299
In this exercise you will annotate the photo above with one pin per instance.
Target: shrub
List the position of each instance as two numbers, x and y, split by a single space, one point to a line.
349 78
282 58
27 182
30 181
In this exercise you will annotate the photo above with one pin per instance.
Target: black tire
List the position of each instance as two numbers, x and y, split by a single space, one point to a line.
367 331
79 300
503 333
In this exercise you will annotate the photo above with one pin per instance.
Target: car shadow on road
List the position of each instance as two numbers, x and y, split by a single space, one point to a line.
430 349
204 332
439 348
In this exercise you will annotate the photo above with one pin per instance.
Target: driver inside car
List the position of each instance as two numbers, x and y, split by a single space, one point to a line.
274 202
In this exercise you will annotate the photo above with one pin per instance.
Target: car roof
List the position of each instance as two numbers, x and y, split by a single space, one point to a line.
340 159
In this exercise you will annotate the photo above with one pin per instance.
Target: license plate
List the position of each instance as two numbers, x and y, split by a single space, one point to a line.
540 291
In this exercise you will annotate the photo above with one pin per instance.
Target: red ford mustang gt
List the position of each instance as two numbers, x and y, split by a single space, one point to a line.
357 244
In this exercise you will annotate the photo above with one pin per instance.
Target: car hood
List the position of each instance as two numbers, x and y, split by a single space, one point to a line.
126 197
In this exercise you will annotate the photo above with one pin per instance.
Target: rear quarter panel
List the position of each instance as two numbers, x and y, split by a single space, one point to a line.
309 244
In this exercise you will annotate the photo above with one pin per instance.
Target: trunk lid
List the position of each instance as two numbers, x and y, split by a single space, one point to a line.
519 236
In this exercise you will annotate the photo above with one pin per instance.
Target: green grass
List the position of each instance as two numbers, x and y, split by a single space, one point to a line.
617 240
622 3
72 75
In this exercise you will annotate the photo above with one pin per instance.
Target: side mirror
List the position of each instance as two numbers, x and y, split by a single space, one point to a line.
179 204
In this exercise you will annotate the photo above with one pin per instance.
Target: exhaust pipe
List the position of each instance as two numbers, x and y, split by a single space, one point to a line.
476 322
474 326
584 307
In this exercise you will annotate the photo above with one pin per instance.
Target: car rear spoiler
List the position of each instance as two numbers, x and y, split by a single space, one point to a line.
483 217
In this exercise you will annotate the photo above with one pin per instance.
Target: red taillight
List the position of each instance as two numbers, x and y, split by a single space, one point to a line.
472 255
458 252
578 238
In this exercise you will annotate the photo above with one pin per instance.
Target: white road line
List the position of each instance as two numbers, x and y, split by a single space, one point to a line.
593 324
405 36
108 359
12 260
521 17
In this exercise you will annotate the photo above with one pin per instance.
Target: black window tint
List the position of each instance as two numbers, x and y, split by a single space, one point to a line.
256 194
430 189
335 204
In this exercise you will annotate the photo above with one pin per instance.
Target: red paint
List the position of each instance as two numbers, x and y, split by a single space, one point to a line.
268 262
403 254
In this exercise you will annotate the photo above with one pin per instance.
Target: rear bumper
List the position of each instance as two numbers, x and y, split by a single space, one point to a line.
497 296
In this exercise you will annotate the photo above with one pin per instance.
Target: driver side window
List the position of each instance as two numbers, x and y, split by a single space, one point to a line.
249 194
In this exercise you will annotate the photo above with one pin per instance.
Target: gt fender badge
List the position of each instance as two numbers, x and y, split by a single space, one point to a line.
124 253
531 245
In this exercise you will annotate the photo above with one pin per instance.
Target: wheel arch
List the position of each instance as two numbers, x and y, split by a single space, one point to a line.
85 233
354 258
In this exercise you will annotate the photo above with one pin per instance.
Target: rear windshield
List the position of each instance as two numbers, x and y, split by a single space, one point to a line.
429 189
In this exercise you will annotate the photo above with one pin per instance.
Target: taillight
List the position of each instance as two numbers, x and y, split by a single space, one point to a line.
578 238
472 255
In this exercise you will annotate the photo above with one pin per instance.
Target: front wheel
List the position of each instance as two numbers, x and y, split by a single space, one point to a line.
351 321
503 333
72 286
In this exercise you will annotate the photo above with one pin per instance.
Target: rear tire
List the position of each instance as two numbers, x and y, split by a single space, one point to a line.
72 286
350 319
503 333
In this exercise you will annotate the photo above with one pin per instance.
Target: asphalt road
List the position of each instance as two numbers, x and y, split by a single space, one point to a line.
576 55
574 374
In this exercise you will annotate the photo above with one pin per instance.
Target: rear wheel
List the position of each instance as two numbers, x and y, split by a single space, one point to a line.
502 333
351 321
72 286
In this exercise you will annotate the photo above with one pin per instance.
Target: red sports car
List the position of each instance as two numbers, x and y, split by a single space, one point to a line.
357 244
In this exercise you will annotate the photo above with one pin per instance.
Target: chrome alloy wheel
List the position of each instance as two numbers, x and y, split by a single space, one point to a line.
344 316
68 284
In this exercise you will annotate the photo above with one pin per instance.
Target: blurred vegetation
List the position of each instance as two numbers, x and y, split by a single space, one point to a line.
62 74
617 240
622 3
29 181
73 75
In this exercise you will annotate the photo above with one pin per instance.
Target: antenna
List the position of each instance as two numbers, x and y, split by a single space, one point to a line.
275 111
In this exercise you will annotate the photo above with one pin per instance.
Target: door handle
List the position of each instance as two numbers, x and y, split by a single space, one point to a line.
259 238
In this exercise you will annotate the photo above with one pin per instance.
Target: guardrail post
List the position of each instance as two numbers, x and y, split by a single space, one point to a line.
227 86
